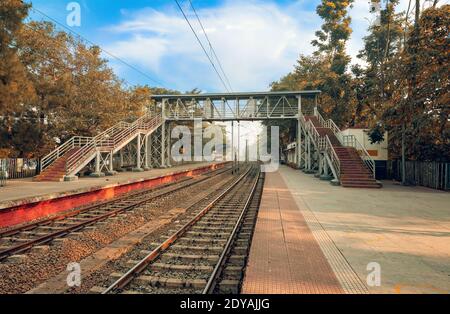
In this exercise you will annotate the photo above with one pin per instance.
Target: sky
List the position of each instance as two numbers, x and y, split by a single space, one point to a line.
256 41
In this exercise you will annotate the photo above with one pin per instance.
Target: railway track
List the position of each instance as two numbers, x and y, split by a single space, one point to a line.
23 238
205 252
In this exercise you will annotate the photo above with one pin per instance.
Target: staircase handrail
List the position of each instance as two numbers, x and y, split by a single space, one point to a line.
333 156
329 124
336 130
74 141
322 121
318 140
105 139
138 124
352 141
98 141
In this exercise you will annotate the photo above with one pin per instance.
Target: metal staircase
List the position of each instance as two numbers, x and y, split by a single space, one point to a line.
325 151
68 159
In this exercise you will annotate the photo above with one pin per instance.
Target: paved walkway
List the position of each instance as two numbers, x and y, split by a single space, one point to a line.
406 230
285 257
27 190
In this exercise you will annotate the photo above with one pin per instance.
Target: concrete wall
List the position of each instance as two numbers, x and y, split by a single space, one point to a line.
377 151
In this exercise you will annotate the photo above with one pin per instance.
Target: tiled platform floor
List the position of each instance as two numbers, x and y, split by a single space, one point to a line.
405 230
285 257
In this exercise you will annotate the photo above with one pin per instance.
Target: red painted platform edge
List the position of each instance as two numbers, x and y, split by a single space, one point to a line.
27 212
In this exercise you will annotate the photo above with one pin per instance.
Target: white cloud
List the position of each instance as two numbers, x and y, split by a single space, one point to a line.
257 43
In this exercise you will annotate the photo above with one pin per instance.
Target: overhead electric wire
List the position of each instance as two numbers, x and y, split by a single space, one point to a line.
203 47
102 49
210 45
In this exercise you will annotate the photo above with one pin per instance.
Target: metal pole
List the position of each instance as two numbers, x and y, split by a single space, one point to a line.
121 158
138 152
169 164
257 147
246 151
232 146
239 145
146 167
111 167
163 145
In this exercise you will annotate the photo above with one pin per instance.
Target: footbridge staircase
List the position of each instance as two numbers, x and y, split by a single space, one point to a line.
324 150
68 159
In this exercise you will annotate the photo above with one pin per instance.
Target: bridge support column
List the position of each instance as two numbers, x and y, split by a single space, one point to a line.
110 171
308 167
298 147
120 160
97 173
326 169
319 171
163 145
138 155
147 154
168 160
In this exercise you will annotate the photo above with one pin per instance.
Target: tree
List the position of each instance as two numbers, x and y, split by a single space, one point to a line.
331 41
15 90
417 116
380 52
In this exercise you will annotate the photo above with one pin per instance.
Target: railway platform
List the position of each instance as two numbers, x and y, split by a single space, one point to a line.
311 237
24 200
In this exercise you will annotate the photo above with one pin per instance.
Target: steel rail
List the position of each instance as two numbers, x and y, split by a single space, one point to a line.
214 278
142 264
49 237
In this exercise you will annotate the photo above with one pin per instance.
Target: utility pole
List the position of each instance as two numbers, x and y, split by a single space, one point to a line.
257 147
238 145
233 157
246 151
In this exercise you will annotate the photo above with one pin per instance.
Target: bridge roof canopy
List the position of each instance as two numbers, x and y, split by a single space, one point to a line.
307 93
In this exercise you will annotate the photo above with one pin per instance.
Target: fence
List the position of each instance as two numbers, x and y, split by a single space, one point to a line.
15 168
431 174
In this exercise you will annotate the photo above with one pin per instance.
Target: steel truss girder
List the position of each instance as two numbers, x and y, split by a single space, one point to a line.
210 109
154 147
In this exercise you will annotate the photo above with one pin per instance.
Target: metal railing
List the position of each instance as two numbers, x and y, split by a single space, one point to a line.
76 141
333 156
317 114
317 139
352 141
108 139
329 124
337 132
111 138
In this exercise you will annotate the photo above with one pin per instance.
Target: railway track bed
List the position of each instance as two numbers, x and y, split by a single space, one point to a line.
23 238
204 252
53 259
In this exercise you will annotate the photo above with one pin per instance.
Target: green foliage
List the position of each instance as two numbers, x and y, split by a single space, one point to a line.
376 134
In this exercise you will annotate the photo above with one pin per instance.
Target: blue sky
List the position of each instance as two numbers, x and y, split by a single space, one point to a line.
257 41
